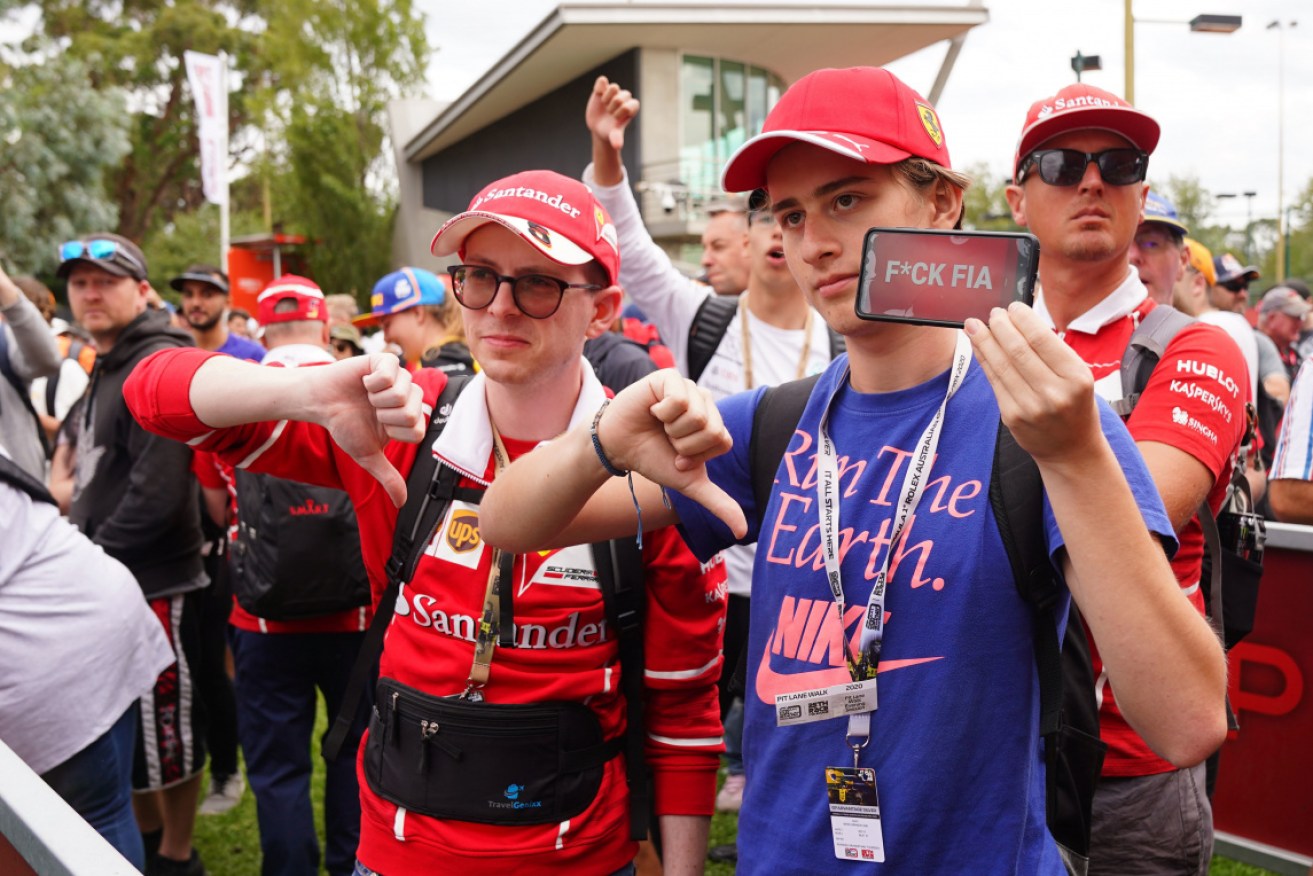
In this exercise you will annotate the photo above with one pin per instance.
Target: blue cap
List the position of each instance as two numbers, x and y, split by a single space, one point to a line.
402 290
1160 210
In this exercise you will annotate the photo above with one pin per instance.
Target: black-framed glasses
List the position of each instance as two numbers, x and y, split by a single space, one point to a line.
537 295
1066 167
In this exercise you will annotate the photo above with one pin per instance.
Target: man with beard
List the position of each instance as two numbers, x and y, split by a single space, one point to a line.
205 303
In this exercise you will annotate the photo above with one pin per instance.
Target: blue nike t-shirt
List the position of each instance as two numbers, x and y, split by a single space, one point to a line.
955 741
242 348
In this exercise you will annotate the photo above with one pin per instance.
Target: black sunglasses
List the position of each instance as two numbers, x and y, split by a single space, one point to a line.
1066 167
537 295
1236 288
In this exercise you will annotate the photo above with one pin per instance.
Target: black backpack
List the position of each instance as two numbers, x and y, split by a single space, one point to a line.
708 328
430 489
297 550
1069 721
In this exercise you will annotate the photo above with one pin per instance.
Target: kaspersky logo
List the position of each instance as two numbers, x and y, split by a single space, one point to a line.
805 633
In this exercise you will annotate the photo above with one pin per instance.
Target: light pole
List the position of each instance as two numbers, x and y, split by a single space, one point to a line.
1249 219
1198 24
1280 28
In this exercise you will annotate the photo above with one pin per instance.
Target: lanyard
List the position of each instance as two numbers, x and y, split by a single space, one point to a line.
918 469
499 575
747 343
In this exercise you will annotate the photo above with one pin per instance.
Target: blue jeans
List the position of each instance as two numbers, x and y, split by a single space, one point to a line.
734 738
97 783
277 675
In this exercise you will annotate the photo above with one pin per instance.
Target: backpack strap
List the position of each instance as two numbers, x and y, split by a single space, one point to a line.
773 423
430 489
1145 350
620 576
18 478
1069 722
709 325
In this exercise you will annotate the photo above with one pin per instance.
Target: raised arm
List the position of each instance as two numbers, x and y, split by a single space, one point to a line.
33 353
663 428
667 298
1165 664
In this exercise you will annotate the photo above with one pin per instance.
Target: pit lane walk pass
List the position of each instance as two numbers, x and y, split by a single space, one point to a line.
820 704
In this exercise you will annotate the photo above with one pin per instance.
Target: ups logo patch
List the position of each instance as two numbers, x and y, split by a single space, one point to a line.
463 531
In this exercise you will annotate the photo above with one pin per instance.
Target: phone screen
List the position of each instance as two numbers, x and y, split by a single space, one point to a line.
944 277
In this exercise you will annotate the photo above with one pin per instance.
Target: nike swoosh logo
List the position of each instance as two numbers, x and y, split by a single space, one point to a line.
771 684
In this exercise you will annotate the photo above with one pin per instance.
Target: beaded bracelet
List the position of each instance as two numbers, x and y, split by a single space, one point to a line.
597 444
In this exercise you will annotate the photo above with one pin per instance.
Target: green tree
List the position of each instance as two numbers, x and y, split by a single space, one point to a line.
985 207
61 141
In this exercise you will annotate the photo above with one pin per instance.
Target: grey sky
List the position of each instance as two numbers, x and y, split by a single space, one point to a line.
1214 95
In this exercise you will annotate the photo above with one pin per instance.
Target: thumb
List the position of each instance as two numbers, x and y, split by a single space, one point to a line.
386 474
719 503
617 138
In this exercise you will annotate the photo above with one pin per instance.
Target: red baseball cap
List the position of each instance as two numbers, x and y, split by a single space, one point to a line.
557 215
303 292
864 113
1082 107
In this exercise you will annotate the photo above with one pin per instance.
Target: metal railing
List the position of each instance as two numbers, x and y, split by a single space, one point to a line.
45 832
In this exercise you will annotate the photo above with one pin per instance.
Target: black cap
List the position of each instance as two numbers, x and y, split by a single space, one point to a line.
125 260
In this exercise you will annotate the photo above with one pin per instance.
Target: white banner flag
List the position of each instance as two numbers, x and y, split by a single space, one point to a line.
209 84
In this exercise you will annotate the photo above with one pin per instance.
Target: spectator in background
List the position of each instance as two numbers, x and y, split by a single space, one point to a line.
1192 296
342 308
1290 488
205 303
27 351
1231 292
418 313
1158 250
134 495
239 323
285 657
1281 316
725 253
344 341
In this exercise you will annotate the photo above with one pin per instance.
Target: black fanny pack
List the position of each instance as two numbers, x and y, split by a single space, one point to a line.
490 763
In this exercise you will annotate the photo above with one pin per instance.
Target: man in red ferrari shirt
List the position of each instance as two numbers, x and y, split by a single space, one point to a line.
1079 187
538 277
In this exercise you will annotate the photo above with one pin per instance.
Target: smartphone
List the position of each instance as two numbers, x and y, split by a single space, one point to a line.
932 277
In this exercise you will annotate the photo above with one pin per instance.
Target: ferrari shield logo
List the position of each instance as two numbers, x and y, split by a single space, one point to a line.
930 122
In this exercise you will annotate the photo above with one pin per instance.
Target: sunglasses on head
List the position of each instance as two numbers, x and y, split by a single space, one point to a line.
1066 167
98 250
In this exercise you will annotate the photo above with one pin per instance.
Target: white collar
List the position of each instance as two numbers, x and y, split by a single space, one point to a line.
1117 305
468 446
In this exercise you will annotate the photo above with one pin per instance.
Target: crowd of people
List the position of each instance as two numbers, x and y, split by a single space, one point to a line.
546 588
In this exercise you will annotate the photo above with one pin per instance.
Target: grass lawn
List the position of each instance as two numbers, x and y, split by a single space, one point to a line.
230 843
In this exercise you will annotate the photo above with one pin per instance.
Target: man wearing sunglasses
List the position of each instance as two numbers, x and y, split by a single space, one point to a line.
1079 187
537 276
1231 292
135 496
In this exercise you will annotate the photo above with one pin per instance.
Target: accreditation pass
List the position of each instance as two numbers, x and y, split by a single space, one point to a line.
840 700
854 813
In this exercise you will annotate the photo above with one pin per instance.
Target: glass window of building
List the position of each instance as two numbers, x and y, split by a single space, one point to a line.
722 104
